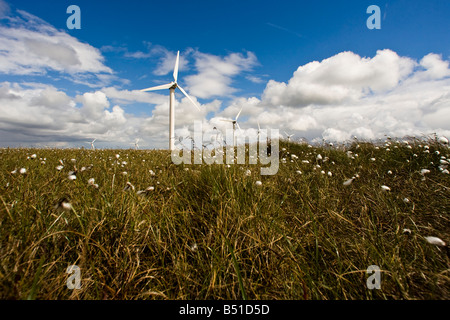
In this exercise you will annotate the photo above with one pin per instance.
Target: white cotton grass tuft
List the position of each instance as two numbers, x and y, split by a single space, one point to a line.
385 188
349 181
146 191
91 182
248 172
424 171
443 140
59 168
329 174
436 241
72 177
258 183
129 186
406 200
194 247
23 171
33 156
63 205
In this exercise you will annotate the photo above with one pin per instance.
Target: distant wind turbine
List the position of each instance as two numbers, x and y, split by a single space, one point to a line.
172 86
92 144
235 123
136 145
289 136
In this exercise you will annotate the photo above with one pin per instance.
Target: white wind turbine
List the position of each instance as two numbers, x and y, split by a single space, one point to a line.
172 86
289 136
136 145
235 123
92 143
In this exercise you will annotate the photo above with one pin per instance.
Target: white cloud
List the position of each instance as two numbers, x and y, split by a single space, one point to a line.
167 60
435 67
94 103
42 114
30 46
348 95
4 9
125 97
345 77
215 73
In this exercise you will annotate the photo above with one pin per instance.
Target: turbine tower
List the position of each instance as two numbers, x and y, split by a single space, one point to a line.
172 86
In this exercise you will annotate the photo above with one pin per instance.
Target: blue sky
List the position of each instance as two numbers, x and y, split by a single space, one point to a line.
255 55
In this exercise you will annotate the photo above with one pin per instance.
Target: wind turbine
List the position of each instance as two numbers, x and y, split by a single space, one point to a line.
289 136
136 145
234 122
172 86
92 144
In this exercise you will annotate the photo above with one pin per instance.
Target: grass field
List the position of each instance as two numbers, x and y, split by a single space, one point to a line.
212 232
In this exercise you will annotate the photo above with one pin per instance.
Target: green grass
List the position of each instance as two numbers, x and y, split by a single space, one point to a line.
209 232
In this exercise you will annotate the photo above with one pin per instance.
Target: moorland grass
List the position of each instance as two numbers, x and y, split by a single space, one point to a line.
209 232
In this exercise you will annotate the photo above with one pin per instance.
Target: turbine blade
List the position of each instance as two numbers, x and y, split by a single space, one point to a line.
226 120
190 99
175 70
259 128
239 127
238 114
161 87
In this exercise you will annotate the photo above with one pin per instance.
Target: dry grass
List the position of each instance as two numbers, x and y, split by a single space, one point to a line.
208 232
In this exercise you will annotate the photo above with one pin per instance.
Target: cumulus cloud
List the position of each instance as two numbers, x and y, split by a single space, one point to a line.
435 67
215 73
30 46
37 114
345 77
347 95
